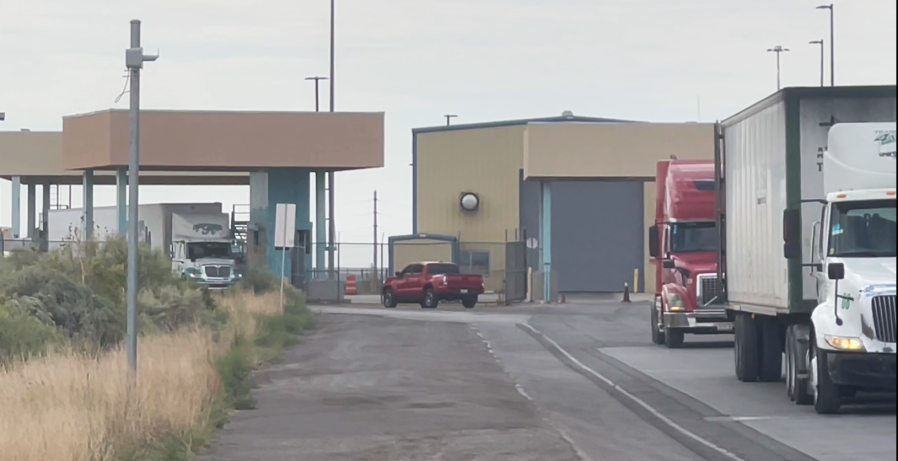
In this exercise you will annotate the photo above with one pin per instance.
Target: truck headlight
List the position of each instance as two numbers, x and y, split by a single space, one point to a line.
845 344
192 272
675 303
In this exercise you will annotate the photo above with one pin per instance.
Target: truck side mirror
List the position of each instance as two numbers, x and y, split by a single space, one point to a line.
669 264
836 271
792 234
399 274
654 242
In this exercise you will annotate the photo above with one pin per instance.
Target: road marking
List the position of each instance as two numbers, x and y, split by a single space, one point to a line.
632 397
523 392
745 418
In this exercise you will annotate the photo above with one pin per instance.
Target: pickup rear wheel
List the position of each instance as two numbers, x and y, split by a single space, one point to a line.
469 302
388 299
430 299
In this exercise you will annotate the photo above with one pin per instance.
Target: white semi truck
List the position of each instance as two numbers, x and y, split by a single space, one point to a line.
197 236
806 210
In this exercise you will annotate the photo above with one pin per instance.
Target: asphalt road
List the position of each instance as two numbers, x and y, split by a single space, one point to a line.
579 382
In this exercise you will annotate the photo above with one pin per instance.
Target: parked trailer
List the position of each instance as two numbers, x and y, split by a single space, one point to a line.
798 174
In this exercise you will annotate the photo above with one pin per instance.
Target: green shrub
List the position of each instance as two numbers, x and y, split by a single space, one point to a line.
259 280
23 335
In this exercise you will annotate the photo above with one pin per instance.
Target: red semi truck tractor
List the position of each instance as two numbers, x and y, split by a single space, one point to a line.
683 247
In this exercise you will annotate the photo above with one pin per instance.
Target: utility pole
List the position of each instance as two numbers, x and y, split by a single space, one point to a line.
134 59
375 236
332 227
449 118
822 61
832 41
316 80
778 50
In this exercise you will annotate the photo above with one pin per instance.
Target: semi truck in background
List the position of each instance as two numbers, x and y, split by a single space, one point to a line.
683 247
197 236
806 213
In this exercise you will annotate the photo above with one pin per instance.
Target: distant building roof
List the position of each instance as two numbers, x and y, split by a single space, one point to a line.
566 116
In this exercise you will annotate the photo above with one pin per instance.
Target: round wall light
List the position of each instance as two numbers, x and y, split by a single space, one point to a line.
469 201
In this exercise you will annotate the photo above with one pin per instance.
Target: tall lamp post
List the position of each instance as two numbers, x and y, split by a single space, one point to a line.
832 41
778 50
316 80
134 59
332 227
822 60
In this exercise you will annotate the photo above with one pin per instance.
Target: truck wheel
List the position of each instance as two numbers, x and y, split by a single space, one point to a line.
657 334
746 348
430 299
797 388
771 349
827 395
674 338
389 300
469 303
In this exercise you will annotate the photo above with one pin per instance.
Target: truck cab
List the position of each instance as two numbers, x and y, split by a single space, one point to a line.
683 246
202 250
853 255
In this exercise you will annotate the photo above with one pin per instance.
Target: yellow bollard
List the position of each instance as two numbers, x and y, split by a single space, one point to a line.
635 280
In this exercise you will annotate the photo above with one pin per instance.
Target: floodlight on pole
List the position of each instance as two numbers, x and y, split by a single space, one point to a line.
822 60
449 118
832 41
316 80
778 50
134 59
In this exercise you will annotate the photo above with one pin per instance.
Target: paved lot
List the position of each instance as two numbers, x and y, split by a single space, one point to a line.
573 382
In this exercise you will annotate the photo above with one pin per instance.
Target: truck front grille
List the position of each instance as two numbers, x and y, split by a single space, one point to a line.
708 289
217 271
884 319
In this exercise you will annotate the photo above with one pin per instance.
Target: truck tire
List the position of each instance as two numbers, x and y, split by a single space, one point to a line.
388 299
429 301
469 302
746 352
827 395
797 387
657 334
771 351
674 338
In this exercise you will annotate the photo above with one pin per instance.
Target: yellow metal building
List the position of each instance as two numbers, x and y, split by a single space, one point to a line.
601 176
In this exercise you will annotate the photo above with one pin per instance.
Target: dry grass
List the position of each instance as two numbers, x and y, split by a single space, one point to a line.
70 406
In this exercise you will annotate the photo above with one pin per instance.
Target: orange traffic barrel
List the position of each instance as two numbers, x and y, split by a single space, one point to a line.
351 288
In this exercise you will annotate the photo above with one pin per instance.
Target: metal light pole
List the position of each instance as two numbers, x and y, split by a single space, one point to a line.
778 50
449 118
822 60
332 227
832 41
134 59
316 80
2 116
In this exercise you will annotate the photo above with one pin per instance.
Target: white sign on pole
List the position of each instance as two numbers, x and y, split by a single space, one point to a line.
285 225
532 243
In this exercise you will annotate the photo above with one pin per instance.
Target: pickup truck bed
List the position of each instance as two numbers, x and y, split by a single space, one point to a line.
428 284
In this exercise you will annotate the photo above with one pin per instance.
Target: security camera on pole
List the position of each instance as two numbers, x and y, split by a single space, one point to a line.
134 59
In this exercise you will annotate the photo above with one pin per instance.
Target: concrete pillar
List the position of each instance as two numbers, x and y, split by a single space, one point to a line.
88 207
32 211
16 206
45 217
320 222
121 200
545 227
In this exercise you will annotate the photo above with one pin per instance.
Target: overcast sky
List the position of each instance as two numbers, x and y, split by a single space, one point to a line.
416 60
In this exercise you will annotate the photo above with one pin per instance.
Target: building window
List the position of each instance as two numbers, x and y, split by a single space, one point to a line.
474 262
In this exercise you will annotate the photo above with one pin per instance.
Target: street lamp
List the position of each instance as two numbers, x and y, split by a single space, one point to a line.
778 50
134 59
316 80
832 41
449 118
822 59
331 195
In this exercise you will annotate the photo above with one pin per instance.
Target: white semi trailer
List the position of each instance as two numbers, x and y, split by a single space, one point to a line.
806 202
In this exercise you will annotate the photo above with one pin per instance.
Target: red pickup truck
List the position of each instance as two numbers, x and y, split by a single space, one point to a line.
429 283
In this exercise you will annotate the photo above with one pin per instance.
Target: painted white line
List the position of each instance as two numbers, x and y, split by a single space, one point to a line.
635 399
581 456
523 392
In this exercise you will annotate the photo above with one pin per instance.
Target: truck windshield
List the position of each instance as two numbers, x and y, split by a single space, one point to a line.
203 250
693 237
864 229
440 269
